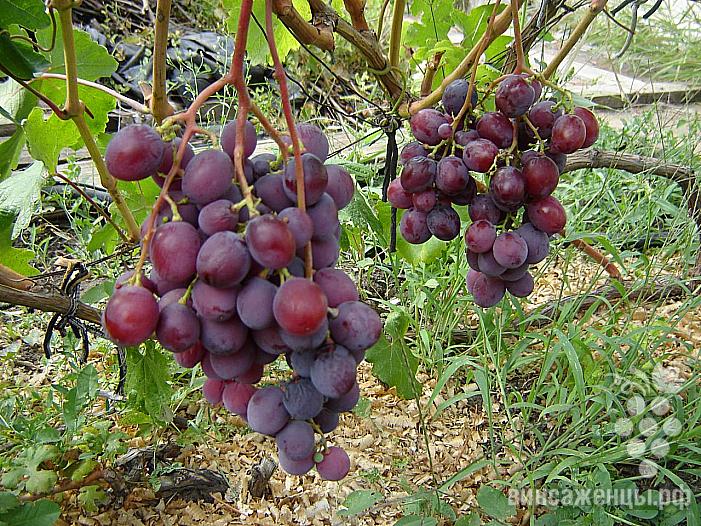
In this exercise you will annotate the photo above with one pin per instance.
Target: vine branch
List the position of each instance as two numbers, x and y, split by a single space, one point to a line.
395 37
160 107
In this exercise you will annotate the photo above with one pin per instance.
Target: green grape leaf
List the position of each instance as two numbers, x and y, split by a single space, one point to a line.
494 503
257 45
40 481
19 58
359 501
40 513
90 497
15 103
93 60
416 520
8 501
26 13
423 253
10 151
96 101
392 361
148 381
20 193
48 137
15 258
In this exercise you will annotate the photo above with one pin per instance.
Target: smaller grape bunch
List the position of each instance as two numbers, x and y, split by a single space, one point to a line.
228 290
517 152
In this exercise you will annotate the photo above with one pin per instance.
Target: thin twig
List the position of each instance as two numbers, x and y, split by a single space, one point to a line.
289 118
160 107
133 104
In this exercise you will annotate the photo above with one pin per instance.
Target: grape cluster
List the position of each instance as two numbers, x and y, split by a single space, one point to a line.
519 152
228 291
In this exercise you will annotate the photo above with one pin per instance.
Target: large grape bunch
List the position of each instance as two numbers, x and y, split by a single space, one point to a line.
519 152
228 291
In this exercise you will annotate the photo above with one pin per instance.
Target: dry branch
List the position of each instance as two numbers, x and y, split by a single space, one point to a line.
302 30
47 303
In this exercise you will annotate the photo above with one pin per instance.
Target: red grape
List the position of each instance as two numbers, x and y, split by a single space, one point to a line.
451 175
335 464
218 216
547 215
508 188
223 260
413 227
270 241
541 176
418 174
510 250
236 396
340 185
300 306
444 223
591 125
178 328
514 96
487 291
174 250
496 127
131 315
424 201
569 134
454 96
411 150
424 125
213 303
479 155
397 196
543 117
483 207
266 413
480 236
336 285
134 153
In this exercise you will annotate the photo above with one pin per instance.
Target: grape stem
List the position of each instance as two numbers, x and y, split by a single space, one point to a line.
518 41
160 107
482 45
395 37
594 9
289 118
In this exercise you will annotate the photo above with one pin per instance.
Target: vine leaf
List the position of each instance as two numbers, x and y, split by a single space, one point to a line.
359 501
27 474
20 193
15 258
26 13
148 380
94 61
19 58
40 513
16 103
494 503
257 45
47 138
392 361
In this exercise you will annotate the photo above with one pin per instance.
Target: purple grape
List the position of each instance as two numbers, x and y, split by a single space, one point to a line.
261 164
483 207
335 465
270 242
591 125
178 327
510 250
340 185
325 252
303 343
413 227
218 216
212 390
173 251
270 341
540 176
472 275
131 315
568 135
191 357
223 337
424 201
300 306
444 223
315 179
454 96
337 286
480 236
134 153
345 402
229 366
547 215
479 155
302 400
560 159
514 96
514 274
522 287
270 190
254 374
488 265
228 139
508 188
169 151
537 241
172 296
313 140
300 225
236 397
213 303
397 196
487 291
208 176
295 467
324 216
357 327
543 117
472 259
418 174
266 412
411 150
333 371
254 304
223 261
445 131
451 175
302 361
327 420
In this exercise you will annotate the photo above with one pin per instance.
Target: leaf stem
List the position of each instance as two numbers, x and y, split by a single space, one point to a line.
395 37
159 100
